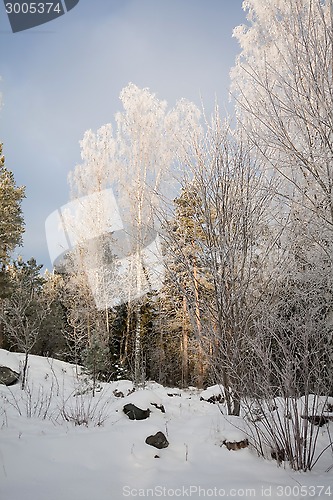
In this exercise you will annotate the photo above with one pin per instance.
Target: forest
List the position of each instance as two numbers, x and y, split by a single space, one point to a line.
214 264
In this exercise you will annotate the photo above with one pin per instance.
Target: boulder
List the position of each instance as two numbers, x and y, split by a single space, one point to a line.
158 440
236 445
319 420
278 454
159 407
215 398
118 394
135 413
213 394
8 376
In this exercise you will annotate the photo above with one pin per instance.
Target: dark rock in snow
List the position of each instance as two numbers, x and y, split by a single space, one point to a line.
279 455
8 376
158 440
121 394
135 413
217 398
118 394
319 420
236 445
213 394
159 407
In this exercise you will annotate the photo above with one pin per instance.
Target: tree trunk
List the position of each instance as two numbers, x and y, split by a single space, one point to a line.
25 370
198 324
184 347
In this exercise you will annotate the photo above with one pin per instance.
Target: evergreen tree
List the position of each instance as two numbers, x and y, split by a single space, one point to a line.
182 316
51 340
11 227
11 218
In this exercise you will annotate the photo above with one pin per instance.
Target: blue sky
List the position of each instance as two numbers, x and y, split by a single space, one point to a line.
64 77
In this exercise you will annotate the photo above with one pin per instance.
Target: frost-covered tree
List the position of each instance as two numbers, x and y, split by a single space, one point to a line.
150 139
136 162
187 282
226 249
25 309
11 227
11 218
282 85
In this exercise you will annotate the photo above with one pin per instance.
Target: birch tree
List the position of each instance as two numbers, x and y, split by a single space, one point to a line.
150 139
234 240
136 163
282 85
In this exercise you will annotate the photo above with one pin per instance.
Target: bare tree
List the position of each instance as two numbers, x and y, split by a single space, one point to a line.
282 84
135 164
292 364
26 309
233 235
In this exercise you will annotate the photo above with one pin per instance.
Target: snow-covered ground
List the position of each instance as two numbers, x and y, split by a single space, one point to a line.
44 455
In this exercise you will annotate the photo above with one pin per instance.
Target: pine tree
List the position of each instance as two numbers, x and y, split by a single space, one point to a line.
11 227
11 218
51 339
186 287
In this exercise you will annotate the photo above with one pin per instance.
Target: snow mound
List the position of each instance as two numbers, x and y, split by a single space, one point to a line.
10 359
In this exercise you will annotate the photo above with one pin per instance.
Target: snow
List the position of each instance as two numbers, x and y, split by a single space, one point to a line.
10 360
214 390
45 456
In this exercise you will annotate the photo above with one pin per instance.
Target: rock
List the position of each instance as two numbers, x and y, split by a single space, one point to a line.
8 376
118 394
236 445
213 394
135 413
159 407
279 455
10 360
158 440
214 399
319 420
